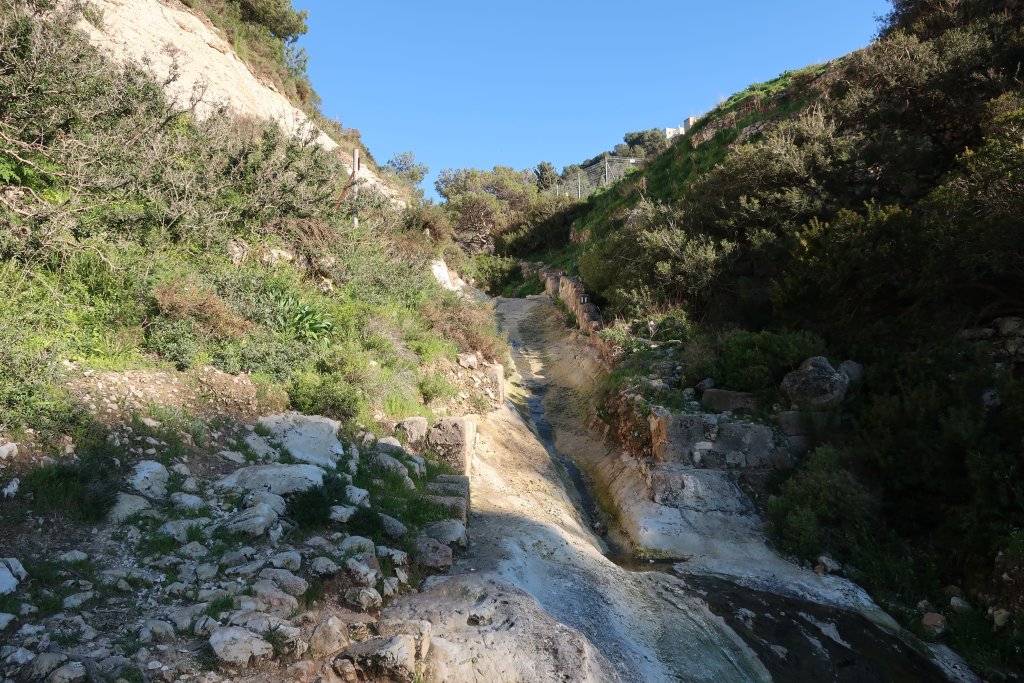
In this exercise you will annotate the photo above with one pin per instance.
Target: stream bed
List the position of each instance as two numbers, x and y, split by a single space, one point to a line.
796 640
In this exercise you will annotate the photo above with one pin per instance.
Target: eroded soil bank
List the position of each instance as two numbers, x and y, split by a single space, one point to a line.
532 532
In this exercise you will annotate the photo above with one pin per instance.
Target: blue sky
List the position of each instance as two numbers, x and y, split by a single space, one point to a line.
478 84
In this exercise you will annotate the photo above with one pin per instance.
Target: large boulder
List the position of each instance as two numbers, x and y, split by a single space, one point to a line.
453 439
278 479
815 385
308 438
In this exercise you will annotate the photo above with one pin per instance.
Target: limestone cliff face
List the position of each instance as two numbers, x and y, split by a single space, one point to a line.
168 37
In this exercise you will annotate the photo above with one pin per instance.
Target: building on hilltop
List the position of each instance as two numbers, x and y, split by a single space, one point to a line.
681 130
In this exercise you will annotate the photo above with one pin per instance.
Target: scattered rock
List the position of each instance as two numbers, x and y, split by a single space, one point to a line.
187 501
853 370
288 559
451 532
193 550
72 672
361 573
379 658
392 527
286 581
328 637
934 623
277 479
959 604
433 555
157 631
815 385
126 506
342 513
272 596
150 478
356 544
324 566
237 646
232 456
364 598
357 496
829 565
279 504
308 438
1000 618
470 361
721 400
78 599
73 556
178 529
8 450
253 521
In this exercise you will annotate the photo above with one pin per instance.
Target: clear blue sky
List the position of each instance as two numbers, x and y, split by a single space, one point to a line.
479 84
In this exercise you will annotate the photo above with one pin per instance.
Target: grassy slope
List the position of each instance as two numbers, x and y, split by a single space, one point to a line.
117 255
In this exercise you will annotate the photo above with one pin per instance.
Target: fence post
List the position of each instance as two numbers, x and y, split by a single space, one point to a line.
606 170
355 190
579 185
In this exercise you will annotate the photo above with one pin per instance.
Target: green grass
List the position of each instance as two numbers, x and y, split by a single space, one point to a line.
156 544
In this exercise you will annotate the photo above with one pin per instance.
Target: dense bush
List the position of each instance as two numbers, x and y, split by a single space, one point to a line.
754 361
823 507
327 395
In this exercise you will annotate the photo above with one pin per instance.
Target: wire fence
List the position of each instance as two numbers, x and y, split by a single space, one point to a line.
585 181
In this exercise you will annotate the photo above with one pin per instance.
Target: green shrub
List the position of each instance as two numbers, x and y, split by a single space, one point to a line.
436 386
492 273
177 341
823 508
329 395
755 361
83 490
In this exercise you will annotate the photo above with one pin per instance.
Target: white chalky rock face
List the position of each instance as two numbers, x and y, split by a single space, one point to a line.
308 438
277 479
237 646
150 478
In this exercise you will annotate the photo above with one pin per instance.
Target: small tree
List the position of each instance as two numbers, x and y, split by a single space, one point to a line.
547 176
404 165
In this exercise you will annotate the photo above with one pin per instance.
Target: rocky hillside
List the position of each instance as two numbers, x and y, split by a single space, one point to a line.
198 343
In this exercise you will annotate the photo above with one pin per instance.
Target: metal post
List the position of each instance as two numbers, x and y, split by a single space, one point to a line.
606 170
579 185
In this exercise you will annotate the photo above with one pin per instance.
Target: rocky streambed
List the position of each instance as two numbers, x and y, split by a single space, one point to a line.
729 607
